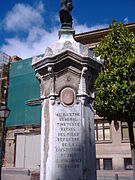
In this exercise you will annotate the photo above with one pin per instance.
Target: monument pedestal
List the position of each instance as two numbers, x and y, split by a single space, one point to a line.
67 74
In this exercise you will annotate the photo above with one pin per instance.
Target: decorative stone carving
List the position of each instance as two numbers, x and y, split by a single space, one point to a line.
48 51
67 125
67 96
67 45
52 93
34 59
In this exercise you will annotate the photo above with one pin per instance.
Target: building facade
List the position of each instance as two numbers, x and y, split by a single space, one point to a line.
23 125
4 74
112 141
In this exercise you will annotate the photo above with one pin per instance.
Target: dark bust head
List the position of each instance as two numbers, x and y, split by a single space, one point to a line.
66 4
65 16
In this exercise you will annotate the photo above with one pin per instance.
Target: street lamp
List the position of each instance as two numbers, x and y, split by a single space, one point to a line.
4 113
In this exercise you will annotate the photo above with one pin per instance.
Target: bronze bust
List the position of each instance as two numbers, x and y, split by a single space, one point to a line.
65 16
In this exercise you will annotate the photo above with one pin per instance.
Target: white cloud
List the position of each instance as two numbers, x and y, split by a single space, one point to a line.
80 28
40 6
36 42
22 17
25 17
126 20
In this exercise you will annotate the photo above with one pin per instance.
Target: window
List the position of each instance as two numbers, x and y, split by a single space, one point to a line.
128 164
124 131
102 131
107 164
98 164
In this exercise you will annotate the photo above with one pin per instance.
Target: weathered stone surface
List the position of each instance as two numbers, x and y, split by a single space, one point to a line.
35 176
68 142
66 42
67 96
67 75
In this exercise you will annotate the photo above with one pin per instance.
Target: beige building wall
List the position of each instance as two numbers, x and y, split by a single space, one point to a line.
115 149
11 142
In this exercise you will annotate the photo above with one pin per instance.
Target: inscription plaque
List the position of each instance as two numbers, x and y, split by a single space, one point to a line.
68 142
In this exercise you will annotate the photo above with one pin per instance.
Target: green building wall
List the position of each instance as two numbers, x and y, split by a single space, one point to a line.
23 86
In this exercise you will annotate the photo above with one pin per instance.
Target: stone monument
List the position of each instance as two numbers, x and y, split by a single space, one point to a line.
67 74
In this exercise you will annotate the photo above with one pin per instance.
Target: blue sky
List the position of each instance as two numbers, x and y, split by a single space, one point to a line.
27 27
